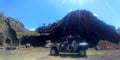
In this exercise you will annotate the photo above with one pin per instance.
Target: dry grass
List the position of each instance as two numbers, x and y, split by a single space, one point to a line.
43 54
94 52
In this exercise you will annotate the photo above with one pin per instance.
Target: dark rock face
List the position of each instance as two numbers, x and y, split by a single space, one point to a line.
12 34
80 22
86 25
1 39
7 33
34 40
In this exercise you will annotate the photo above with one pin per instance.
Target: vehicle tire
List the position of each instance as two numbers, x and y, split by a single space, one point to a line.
82 53
53 51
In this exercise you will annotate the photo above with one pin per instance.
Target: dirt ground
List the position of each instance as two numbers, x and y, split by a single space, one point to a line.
43 54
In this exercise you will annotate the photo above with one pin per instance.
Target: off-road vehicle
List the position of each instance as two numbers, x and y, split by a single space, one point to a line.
70 44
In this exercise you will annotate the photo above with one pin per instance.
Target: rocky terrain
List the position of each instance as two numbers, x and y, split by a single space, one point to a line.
80 22
11 31
7 33
84 24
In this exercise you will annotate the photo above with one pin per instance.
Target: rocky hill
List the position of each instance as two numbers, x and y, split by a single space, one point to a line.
84 24
79 22
11 31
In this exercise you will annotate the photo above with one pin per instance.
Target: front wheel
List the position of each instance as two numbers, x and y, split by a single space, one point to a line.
82 53
53 51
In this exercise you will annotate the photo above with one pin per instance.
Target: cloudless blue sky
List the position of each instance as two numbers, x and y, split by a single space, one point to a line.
33 13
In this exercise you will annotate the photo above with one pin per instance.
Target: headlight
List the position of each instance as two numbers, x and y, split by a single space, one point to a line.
83 43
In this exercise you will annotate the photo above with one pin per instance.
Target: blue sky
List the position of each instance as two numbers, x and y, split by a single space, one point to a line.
33 13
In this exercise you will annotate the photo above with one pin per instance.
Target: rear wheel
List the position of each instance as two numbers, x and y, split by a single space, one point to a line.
82 53
53 51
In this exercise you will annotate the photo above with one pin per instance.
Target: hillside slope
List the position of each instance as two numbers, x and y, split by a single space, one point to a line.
11 31
84 24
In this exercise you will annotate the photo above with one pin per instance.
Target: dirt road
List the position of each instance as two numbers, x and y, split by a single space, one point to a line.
43 54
